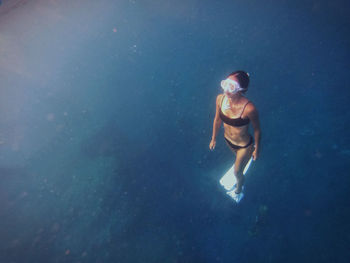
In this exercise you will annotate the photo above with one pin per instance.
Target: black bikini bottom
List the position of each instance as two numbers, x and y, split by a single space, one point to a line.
236 147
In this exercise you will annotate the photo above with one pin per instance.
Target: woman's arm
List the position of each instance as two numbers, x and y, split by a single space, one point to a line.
253 115
216 124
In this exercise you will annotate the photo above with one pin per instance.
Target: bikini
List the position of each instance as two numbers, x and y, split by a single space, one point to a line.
236 122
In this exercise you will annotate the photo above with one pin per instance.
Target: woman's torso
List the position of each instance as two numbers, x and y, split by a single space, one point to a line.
236 122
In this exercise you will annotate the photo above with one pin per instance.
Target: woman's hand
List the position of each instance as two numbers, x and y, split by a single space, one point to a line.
212 144
255 154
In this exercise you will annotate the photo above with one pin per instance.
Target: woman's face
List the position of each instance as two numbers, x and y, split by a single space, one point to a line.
229 94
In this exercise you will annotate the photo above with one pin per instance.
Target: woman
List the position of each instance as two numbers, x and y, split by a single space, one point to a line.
236 111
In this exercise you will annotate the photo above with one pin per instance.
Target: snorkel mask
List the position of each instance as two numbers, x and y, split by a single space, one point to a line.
231 86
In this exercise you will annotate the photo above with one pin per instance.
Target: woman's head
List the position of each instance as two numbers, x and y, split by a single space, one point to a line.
241 77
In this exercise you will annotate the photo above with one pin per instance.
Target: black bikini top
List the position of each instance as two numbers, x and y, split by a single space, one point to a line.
237 122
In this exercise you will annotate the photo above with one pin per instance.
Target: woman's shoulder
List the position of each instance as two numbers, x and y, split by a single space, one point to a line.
250 107
219 98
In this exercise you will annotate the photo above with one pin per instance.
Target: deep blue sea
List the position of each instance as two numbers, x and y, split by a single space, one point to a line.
106 115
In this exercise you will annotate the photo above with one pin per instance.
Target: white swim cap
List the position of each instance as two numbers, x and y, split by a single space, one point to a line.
231 86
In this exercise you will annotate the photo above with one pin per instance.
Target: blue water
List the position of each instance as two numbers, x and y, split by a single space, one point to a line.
106 112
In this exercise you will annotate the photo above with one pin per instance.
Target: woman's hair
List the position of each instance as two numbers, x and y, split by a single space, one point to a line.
242 77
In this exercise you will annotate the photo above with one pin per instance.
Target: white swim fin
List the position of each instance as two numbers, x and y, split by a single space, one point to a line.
234 196
229 182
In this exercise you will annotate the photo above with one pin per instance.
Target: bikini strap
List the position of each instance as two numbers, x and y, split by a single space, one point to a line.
244 108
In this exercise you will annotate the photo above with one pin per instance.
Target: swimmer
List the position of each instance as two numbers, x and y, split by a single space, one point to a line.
236 111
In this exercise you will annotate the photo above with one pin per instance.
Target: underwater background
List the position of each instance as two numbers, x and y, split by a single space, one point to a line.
106 112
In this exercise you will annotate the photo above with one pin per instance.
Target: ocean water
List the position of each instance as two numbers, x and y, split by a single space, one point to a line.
106 112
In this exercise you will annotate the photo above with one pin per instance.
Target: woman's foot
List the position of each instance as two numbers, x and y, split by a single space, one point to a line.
234 196
238 191
240 181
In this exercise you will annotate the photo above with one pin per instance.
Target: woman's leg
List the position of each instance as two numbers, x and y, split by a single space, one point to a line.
242 157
